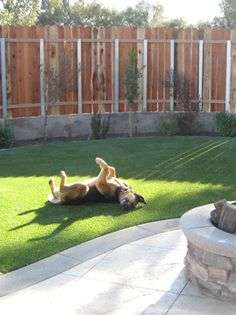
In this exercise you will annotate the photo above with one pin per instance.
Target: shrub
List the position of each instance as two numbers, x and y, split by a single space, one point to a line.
6 134
226 124
169 127
186 123
100 125
132 76
181 86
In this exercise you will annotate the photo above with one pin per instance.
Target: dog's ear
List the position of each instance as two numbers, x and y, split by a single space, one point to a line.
140 198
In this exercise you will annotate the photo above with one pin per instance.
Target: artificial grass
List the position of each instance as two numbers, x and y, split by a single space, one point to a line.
174 174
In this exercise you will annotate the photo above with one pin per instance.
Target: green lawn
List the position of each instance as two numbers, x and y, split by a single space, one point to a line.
173 173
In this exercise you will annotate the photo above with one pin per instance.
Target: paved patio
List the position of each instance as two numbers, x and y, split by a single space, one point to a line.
142 274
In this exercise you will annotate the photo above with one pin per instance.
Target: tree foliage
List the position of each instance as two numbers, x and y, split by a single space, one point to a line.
95 14
80 12
19 12
228 8
176 23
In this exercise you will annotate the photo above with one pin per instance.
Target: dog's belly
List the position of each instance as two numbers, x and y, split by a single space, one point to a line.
93 195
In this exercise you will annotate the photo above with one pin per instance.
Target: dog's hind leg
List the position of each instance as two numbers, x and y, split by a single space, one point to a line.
72 192
53 187
112 171
104 173
103 164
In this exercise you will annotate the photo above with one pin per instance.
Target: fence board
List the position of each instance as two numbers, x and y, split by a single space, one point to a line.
22 46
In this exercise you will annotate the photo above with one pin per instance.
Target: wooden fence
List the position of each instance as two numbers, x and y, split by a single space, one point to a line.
93 62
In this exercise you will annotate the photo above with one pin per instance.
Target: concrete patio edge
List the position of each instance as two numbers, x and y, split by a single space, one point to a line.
60 262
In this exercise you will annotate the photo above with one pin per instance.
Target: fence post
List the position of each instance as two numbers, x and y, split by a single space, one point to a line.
4 78
200 74
228 76
145 51
172 70
116 77
42 77
79 75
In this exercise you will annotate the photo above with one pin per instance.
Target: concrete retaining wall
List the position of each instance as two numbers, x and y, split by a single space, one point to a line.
71 126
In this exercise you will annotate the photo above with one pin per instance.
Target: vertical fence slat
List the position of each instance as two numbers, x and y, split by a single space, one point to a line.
145 53
172 69
42 77
116 77
79 75
200 74
228 76
4 78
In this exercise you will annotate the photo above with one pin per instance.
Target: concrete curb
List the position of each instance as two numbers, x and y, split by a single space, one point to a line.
65 260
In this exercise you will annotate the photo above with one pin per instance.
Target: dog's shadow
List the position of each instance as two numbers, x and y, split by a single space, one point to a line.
66 215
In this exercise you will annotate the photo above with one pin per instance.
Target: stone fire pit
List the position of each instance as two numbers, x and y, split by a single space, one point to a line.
211 256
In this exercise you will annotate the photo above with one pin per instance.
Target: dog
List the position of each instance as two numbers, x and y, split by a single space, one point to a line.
106 187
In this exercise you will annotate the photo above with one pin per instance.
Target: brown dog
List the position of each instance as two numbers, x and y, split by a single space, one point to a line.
106 187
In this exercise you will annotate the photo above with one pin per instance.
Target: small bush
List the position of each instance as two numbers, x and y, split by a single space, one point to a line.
6 134
226 124
100 125
186 123
132 76
169 127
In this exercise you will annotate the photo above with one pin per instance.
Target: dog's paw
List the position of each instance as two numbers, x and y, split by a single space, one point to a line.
62 174
100 161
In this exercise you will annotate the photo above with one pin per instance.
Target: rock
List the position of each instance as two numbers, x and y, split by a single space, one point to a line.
210 259
224 216
215 274
198 270
210 288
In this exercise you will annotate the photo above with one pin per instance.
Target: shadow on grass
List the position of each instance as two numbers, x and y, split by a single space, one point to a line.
160 158
65 216
43 242
162 206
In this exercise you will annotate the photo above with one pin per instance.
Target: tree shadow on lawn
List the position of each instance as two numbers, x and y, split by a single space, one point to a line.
210 161
160 207
65 216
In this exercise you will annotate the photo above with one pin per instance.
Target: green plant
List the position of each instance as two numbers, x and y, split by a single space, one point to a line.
6 134
186 123
100 125
181 91
226 124
169 127
132 76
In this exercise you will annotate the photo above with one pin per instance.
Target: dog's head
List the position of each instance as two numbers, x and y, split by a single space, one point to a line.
129 199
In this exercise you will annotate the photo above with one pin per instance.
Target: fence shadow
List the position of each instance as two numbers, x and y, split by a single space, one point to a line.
185 159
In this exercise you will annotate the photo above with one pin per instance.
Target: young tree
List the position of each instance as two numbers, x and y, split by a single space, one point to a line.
132 76
56 85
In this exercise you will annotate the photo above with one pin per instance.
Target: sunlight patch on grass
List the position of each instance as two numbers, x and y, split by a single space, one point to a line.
173 174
